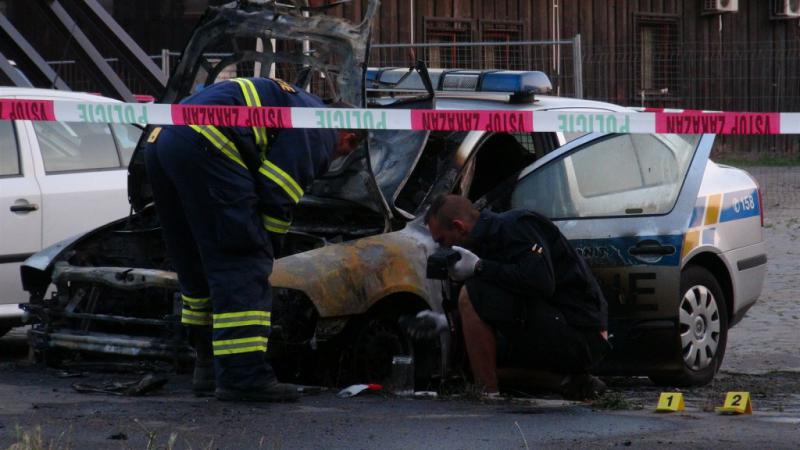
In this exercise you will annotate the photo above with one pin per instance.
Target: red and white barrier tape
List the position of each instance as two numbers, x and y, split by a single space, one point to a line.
646 121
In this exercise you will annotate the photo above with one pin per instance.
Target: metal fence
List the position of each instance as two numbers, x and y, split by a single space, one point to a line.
737 76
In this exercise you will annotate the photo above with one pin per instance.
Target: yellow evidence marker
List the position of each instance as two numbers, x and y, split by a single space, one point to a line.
670 402
737 403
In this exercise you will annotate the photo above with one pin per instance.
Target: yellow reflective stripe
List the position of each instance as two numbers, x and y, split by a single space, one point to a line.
251 98
242 319
690 241
190 317
282 179
275 225
245 91
218 140
713 208
195 302
266 314
242 345
257 101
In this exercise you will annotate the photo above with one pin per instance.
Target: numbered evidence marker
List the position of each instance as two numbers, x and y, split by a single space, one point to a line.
737 403
670 402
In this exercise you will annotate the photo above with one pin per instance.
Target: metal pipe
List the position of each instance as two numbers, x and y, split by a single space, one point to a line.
111 318
411 8
577 65
474 44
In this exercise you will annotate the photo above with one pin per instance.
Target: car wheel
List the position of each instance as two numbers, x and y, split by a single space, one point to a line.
376 342
702 330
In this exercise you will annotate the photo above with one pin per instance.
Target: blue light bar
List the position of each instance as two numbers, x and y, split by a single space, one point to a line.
521 85
517 82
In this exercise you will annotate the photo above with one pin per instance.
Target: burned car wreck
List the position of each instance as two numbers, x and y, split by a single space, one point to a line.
354 260
114 288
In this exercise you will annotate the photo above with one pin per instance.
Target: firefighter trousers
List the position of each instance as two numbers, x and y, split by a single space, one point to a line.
222 254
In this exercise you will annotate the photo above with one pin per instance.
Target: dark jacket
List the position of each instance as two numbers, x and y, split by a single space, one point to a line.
303 154
525 253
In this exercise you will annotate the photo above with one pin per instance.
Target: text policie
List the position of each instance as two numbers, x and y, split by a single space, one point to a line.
516 121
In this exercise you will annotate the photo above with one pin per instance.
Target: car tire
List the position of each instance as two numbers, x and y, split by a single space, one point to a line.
702 330
376 341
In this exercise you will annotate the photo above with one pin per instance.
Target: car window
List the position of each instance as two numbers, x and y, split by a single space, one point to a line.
498 158
619 175
76 146
9 151
126 136
571 136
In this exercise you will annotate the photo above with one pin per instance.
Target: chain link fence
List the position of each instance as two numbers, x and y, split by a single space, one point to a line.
651 72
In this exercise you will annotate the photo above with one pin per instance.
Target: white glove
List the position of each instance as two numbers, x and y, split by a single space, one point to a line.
464 267
426 325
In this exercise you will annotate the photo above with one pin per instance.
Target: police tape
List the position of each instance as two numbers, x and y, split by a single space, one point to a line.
635 121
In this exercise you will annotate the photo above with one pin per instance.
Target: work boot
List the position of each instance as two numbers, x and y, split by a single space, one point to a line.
582 386
272 391
203 381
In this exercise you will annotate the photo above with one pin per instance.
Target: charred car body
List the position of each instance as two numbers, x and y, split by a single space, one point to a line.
354 260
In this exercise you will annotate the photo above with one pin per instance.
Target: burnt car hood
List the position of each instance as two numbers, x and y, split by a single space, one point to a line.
327 53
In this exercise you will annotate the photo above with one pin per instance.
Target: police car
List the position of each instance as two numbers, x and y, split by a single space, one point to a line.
675 239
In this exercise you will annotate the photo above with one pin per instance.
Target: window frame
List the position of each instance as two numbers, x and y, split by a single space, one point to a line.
69 171
491 30
461 31
667 76
20 169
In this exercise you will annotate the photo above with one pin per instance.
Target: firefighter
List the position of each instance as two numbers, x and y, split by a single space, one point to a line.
224 197
524 283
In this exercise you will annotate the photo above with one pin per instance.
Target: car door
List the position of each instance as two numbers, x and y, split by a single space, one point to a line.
81 175
20 214
624 201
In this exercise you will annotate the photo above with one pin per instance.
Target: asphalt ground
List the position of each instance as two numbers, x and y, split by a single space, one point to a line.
39 408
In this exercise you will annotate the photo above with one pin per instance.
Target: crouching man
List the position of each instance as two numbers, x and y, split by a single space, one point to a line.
523 282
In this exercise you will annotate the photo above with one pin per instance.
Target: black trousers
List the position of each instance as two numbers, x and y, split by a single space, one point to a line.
533 333
221 252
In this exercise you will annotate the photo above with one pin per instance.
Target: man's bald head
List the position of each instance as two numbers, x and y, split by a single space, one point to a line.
450 219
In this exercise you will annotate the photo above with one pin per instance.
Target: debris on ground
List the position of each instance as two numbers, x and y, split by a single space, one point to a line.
145 385
615 401
118 437
352 391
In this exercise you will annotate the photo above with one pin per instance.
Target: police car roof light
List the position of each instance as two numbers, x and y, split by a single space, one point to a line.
521 85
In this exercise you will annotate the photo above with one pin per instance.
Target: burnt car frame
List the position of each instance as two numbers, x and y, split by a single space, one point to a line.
354 260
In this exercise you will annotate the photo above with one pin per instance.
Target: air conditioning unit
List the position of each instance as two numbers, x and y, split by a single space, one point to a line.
785 9
720 6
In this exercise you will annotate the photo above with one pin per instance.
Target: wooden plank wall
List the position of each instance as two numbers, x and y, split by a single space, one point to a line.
745 61
753 63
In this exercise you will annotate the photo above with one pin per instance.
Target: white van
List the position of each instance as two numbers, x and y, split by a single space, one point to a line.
57 179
